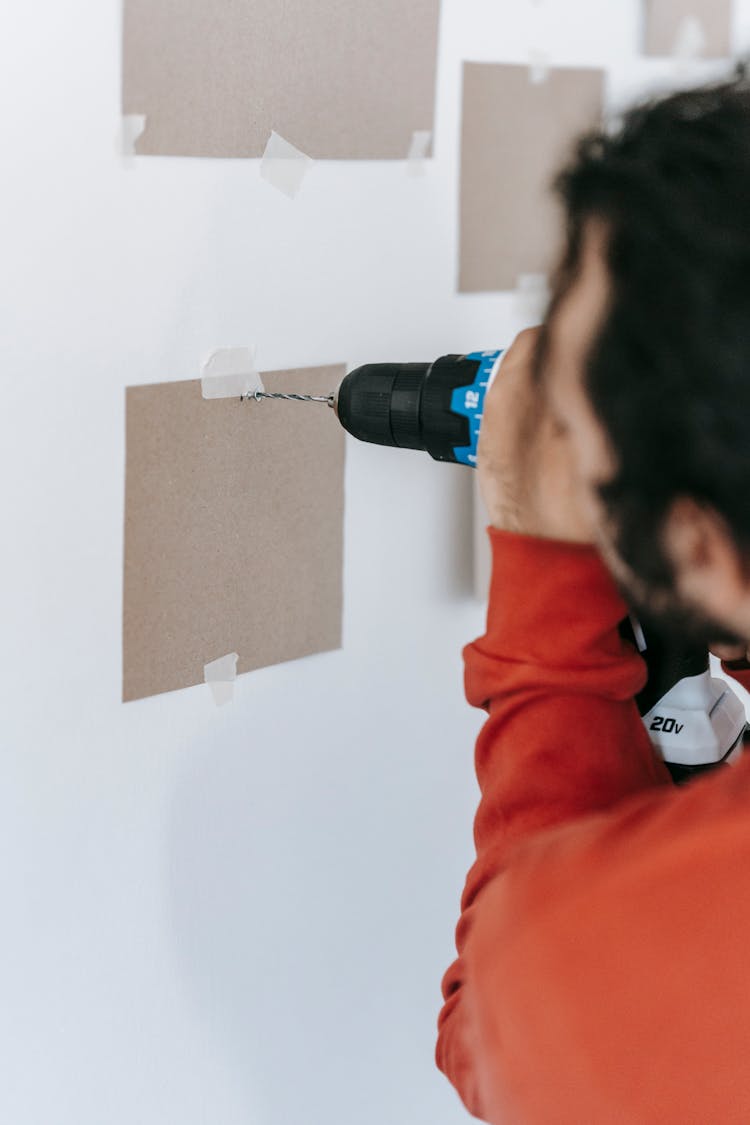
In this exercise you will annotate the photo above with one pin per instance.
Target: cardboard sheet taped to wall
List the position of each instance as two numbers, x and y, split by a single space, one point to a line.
515 134
337 80
700 28
233 529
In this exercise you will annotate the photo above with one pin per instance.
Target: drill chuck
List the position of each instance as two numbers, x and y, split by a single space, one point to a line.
436 406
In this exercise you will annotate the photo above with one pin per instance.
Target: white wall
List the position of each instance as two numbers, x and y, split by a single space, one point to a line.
236 915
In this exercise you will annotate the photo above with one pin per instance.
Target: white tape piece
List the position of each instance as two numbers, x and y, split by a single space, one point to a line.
531 298
420 146
690 41
229 373
284 166
132 127
220 676
538 66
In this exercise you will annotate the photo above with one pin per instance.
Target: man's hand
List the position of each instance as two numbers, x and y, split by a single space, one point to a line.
527 470
731 654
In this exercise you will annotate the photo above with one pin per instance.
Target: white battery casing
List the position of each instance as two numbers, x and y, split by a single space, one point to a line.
697 722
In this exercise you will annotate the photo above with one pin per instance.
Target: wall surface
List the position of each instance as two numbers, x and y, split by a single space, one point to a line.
241 914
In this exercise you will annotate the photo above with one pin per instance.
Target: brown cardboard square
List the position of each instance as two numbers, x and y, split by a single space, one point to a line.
665 23
338 80
516 133
233 529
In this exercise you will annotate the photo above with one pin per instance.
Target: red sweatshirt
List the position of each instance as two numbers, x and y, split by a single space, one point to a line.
603 972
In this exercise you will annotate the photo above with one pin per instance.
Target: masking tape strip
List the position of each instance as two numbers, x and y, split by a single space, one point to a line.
284 166
220 676
418 150
229 373
690 40
531 297
132 127
538 66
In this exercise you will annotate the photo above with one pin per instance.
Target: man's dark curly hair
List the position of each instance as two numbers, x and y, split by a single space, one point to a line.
669 374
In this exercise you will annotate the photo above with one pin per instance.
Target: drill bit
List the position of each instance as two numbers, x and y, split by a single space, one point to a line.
259 395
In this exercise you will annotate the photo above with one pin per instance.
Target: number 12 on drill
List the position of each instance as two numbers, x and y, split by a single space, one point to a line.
469 401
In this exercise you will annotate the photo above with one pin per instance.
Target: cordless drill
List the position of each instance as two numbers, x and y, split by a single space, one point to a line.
695 721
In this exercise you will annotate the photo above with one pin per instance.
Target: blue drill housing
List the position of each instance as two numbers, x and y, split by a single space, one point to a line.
469 401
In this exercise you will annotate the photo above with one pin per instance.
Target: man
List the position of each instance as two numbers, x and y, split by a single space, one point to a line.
603 974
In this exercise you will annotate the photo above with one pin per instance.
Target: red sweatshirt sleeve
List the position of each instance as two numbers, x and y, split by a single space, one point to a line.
563 737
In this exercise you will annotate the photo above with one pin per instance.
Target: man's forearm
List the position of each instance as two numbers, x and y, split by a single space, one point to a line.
563 737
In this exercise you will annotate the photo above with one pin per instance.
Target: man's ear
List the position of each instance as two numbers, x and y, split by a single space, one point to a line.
707 562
